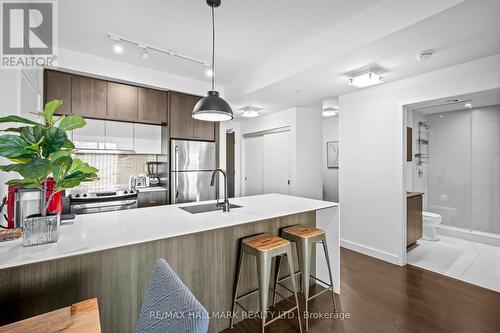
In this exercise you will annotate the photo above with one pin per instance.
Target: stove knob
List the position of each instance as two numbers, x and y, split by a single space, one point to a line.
85 195
126 192
77 195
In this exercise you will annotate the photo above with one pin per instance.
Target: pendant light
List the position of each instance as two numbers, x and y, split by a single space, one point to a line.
212 107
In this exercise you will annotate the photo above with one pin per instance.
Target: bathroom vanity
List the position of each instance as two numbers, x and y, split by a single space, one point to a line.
414 208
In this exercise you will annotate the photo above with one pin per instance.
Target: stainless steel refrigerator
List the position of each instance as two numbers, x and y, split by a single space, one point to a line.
192 164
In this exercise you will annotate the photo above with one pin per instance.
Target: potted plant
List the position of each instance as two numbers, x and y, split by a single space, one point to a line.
41 153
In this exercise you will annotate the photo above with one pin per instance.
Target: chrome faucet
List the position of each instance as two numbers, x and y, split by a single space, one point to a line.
225 204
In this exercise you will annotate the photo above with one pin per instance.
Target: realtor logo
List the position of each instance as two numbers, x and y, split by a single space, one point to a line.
28 33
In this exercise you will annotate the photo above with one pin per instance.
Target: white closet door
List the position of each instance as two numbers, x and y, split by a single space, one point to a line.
276 163
253 151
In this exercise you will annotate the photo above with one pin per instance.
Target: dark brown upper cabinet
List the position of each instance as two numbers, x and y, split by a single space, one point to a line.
88 97
181 123
122 102
152 106
58 86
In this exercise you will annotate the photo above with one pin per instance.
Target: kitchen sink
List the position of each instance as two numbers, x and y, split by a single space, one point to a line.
211 207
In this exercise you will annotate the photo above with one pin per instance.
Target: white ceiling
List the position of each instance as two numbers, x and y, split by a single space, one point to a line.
268 50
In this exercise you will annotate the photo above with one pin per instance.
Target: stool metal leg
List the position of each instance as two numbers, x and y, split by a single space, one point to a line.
277 267
325 248
264 275
238 275
304 254
294 285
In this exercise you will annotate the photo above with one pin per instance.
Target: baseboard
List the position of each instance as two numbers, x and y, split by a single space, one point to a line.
370 251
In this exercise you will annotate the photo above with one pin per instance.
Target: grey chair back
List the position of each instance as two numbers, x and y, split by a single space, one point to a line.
169 306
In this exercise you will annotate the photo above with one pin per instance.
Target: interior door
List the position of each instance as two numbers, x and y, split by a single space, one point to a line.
276 163
253 152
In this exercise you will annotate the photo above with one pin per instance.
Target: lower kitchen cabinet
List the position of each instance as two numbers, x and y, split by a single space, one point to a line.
151 198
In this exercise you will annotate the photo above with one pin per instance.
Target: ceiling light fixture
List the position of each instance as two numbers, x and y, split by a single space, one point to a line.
468 105
330 111
145 52
251 112
209 72
365 80
212 107
424 55
123 40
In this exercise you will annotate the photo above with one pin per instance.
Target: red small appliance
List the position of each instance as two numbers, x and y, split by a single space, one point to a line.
54 206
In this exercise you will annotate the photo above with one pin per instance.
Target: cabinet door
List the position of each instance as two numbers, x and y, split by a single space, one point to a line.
181 121
122 102
202 130
58 86
119 135
147 139
88 97
152 106
91 136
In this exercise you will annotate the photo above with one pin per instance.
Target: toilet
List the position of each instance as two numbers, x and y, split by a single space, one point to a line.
430 222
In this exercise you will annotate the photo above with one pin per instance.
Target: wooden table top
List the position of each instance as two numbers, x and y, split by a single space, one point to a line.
80 317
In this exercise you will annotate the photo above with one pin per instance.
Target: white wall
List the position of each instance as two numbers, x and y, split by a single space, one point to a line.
9 104
309 181
107 68
330 176
371 187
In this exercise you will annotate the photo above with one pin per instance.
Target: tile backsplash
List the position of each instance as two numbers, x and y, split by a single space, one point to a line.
115 169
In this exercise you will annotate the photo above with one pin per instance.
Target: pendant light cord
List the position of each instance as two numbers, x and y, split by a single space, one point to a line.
213 49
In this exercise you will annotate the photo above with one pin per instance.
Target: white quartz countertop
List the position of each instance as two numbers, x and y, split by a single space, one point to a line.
102 231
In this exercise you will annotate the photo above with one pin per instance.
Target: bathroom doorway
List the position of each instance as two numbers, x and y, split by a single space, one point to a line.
453 164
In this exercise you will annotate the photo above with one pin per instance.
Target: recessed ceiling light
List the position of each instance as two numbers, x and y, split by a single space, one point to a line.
365 80
330 112
424 55
251 111
468 105
118 48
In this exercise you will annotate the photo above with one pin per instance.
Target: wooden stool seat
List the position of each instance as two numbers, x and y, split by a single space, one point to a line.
303 231
265 242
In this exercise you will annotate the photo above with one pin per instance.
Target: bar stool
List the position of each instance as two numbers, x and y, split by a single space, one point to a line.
304 236
264 247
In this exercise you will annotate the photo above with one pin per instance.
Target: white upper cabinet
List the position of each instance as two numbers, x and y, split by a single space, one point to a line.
147 139
91 136
119 135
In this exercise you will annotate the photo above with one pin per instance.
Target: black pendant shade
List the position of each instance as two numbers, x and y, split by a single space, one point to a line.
212 107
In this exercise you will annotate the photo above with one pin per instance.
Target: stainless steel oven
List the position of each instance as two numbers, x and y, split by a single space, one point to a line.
82 202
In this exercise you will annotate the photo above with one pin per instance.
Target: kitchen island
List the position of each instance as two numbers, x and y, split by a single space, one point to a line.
110 256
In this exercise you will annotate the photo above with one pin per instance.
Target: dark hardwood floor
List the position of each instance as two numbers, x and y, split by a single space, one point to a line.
380 297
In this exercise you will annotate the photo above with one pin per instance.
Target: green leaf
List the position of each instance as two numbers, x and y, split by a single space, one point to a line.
68 144
80 166
73 122
50 108
37 168
54 140
29 183
17 119
61 166
32 134
13 146
60 153
11 167
13 130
